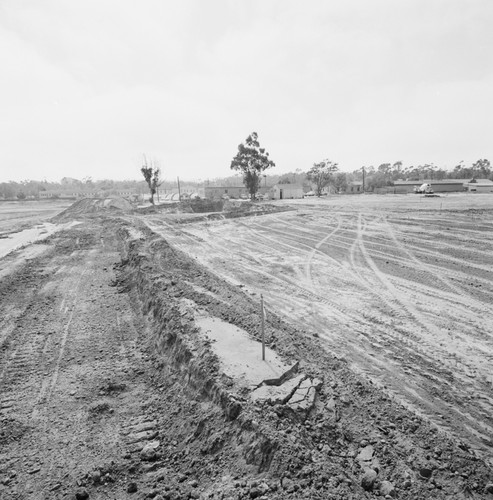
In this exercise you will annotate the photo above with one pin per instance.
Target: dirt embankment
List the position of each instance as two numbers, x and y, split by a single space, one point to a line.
352 443
88 206
202 210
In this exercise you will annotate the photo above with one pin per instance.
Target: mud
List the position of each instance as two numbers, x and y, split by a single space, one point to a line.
404 296
110 390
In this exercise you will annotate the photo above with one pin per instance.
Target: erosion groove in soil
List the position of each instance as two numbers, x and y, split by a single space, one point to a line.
110 390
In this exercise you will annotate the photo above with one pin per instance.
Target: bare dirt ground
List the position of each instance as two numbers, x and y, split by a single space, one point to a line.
107 390
402 287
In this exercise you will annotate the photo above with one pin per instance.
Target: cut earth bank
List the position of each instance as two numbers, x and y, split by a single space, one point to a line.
170 420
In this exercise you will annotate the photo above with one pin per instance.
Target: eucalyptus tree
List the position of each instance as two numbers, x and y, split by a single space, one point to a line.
321 173
251 160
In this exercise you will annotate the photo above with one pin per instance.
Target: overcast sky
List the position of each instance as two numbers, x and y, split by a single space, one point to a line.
88 86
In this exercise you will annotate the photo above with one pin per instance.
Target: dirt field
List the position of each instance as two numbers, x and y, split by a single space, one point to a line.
107 390
402 287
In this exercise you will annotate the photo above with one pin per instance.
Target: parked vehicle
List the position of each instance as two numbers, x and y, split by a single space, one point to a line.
423 189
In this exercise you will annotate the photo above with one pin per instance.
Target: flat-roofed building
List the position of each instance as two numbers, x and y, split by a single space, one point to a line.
218 192
442 186
479 186
286 191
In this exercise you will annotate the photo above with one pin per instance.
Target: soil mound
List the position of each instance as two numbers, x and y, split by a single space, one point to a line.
95 205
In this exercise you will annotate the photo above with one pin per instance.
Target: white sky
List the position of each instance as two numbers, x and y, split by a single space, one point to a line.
88 86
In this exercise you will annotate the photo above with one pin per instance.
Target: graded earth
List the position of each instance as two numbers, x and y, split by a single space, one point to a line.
126 338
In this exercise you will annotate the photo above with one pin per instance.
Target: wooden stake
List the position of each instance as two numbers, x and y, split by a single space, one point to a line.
263 325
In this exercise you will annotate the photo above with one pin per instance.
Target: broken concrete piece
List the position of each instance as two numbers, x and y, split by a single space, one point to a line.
284 376
277 394
303 399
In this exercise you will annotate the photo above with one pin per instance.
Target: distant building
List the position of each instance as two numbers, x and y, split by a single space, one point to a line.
218 192
479 186
66 194
75 194
354 187
286 191
443 186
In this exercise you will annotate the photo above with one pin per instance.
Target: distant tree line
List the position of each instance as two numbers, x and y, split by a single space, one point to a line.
387 173
30 189
374 177
382 176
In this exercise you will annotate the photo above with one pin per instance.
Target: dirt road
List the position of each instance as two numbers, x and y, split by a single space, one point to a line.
75 399
404 294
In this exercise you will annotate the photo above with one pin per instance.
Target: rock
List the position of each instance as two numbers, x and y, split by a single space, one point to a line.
425 473
148 453
287 483
132 487
488 488
108 478
367 459
255 492
81 494
366 454
233 409
96 477
387 488
332 410
368 479
407 484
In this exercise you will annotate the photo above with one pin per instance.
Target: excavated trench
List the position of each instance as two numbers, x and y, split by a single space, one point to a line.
319 432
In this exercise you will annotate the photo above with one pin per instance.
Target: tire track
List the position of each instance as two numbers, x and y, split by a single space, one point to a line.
47 385
439 381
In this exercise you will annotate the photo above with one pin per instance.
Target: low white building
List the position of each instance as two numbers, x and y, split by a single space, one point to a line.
286 191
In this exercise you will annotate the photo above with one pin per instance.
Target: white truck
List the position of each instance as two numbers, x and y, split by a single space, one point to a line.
423 189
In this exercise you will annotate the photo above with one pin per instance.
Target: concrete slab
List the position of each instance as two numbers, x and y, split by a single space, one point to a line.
278 394
241 356
303 398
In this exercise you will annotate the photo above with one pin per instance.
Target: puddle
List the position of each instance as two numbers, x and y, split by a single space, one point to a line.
241 357
40 232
